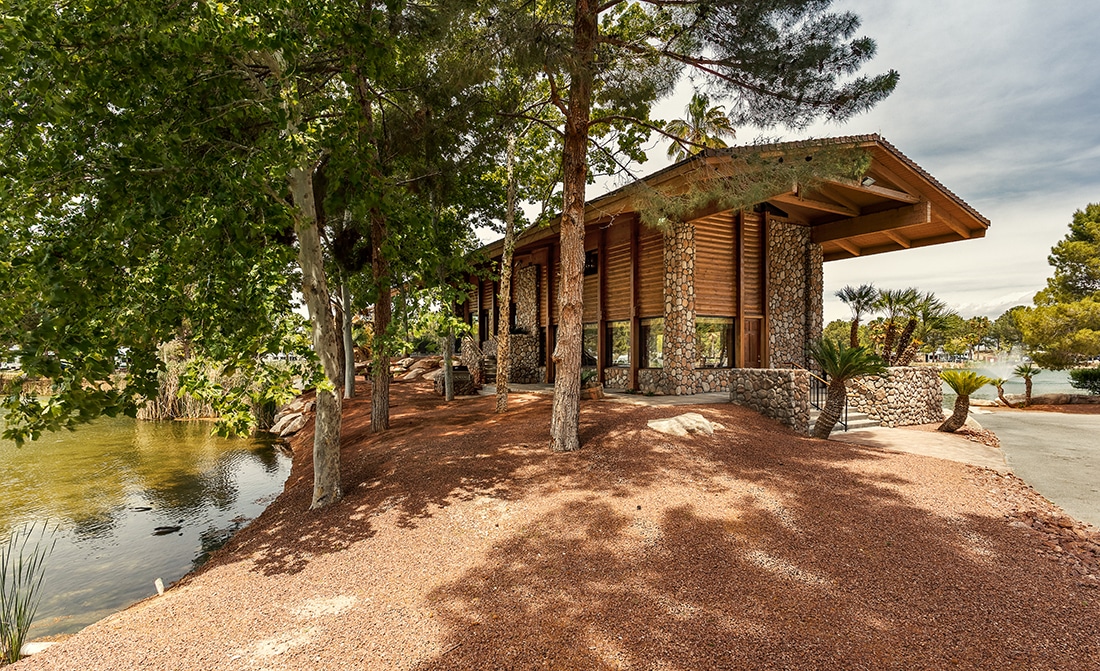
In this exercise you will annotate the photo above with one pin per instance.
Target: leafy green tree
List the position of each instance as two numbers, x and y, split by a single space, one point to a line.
1064 326
704 127
895 303
963 383
1005 330
840 364
787 62
860 300
1086 378
837 330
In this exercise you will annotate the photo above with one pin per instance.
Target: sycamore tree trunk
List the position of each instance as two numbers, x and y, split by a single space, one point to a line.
326 434
565 416
834 405
958 416
380 375
349 345
504 334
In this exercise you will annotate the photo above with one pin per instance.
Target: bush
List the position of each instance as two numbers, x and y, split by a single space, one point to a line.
1086 378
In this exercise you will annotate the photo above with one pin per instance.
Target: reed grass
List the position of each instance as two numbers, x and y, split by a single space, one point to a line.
22 571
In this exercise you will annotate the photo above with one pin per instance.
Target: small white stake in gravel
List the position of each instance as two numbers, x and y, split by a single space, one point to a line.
160 586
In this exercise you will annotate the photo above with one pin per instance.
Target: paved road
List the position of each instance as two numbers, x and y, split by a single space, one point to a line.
1057 454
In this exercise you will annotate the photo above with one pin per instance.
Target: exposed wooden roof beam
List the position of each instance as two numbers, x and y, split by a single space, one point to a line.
911 215
837 195
955 225
882 191
850 247
899 238
812 204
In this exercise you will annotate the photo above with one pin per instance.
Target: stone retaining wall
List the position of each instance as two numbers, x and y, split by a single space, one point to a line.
906 395
782 394
616 378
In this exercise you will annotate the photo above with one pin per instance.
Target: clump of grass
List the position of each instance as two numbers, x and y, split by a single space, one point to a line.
22 570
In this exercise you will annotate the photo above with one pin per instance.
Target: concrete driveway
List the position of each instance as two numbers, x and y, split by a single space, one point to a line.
1057 454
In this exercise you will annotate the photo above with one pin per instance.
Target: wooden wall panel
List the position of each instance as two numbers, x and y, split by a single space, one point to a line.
591 298
651 273
617 297
752 259
716 265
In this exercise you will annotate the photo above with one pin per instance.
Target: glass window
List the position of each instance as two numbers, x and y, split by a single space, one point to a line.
653 342
713 342
590 345
475 326
618 343
591 262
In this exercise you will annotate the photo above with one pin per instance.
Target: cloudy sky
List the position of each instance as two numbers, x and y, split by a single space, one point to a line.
1000 101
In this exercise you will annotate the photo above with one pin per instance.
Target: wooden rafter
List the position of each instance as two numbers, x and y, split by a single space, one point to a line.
849 246
910 215
875 190
813 204
955 225
899 238
838 195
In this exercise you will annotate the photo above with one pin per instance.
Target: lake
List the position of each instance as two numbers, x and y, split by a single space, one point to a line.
114 490
1046 382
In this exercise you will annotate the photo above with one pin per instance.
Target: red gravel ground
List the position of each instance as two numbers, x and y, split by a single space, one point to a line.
463 543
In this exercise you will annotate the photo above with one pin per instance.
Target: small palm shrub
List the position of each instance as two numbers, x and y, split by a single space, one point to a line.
22 569
964 383
999 383
1027 371
840 363
1087 379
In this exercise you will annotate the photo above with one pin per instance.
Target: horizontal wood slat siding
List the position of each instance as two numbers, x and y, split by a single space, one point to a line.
651 273
557 287
716 265
618 282
591 296
544 305
753 263
487 295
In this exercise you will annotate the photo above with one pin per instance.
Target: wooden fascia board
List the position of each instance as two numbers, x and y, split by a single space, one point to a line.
910 215
838 255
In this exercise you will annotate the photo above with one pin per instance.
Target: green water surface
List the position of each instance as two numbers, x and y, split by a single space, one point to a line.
112 489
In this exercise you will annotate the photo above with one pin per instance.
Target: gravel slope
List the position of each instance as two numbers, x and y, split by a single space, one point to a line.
463 543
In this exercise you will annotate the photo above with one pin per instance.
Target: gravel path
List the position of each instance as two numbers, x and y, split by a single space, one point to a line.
463 543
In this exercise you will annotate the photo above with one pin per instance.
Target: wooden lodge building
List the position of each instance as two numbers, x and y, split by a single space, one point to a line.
679 311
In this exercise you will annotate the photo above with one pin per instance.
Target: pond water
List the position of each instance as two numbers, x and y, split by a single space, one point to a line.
1046 382
115 490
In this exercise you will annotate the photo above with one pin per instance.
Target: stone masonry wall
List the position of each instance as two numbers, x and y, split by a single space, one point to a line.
616 378
795 283
525 359
781 394
679 344
905 396
526 294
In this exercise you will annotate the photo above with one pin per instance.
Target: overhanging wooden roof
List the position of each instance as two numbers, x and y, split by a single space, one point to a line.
896 205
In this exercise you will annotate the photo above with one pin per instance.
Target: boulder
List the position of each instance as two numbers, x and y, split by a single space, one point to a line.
413 374
433 374
406 362
290 425
424 364
682 425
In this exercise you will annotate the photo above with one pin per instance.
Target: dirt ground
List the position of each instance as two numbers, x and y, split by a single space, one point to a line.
464 543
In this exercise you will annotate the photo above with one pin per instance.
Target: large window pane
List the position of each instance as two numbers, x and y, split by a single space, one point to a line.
653 342
713 342
590 345
618 343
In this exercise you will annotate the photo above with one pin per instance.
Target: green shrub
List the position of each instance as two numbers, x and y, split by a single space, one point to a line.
1086 378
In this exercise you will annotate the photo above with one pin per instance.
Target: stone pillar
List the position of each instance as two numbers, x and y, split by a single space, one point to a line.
679 346
795 285
525 283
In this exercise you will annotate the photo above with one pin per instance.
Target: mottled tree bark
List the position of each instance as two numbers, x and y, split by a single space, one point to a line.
958 416
349 345
448 365
326 434
565 415
834 405
380 374
504 334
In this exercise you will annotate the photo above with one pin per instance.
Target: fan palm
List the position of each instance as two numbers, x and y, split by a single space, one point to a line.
926 313
894 303
1027 371
704 127
964 383
860 300
840 364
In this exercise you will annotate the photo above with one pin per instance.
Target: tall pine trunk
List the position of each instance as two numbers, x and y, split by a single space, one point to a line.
504 334
349 344
326 434
565 416
380 375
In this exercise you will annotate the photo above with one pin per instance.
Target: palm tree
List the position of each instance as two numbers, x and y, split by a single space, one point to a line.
1027 371
964 383
703 127
860 300
894 303
926 313
840 364
999 383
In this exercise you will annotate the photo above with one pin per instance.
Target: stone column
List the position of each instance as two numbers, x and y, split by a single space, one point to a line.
679 346
795 285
